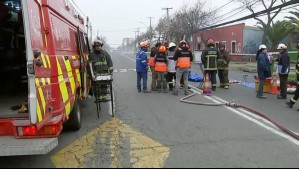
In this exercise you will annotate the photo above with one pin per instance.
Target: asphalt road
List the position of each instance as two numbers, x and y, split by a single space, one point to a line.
156 130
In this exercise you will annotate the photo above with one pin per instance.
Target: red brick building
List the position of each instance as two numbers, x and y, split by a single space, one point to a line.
238 38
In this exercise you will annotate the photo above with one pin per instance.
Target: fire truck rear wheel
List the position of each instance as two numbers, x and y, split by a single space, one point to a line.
74 122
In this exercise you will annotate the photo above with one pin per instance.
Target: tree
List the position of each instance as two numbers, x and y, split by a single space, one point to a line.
278 31
185 21
294 23
267 4
162 27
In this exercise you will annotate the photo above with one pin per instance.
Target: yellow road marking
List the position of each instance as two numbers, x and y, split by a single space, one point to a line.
117 144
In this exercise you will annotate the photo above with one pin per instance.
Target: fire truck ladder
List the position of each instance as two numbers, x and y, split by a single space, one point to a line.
102 84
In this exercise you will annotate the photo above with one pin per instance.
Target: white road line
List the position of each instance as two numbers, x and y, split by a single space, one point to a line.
132 70
249 117
255 116
128 58
273 130
123 70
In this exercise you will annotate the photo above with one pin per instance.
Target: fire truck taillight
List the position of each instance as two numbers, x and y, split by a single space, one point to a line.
27 131
50 130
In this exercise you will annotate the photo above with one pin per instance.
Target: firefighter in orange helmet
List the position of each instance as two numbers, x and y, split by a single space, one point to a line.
153 53
210 58
142 68
184 57
161 68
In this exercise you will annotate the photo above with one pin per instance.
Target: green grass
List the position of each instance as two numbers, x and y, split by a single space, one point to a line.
292 76
293 56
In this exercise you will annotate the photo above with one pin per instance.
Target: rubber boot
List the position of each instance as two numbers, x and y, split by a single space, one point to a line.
214 89
290 104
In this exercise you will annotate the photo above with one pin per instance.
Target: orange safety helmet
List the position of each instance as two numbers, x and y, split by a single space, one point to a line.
144 45
162 49
210 42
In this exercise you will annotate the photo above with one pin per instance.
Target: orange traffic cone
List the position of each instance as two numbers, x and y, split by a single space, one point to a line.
274 85
207 91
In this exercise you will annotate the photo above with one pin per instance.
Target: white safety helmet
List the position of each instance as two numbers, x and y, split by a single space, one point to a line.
172 45
98 41
282 46
262 47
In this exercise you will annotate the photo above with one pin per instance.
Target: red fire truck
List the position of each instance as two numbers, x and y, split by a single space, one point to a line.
43 58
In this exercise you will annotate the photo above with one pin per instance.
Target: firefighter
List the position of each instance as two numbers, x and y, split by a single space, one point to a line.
283 70
182 85
142 67
102 65
184 57
209 58
171 74
296 97
223 64
161 68
263 68
153 53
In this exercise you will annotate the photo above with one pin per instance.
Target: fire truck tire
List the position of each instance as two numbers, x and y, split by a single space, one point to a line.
74 122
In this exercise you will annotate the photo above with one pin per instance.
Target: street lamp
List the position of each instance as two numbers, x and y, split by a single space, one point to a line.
150 29
144 24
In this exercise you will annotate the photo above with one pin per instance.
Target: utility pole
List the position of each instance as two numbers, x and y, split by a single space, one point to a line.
151 30
168 22
91 32
135 41
167 9
137 38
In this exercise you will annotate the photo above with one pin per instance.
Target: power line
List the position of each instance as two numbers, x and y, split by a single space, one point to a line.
223 6
124 30
292 2
239 9
259 15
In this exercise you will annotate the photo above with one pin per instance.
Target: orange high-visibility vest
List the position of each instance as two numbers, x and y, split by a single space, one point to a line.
161 67
151 61
184 62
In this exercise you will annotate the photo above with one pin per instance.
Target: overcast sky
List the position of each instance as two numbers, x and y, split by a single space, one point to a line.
118 19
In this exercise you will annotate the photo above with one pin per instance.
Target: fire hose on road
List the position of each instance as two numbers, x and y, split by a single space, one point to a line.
236 105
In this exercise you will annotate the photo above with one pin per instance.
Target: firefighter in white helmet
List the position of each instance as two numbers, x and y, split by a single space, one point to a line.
283 70
171 74
263 68
102 65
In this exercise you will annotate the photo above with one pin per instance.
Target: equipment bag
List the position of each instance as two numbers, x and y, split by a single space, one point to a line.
194 77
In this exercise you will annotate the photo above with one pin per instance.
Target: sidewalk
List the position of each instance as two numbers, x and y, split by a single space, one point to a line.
251 67
243 66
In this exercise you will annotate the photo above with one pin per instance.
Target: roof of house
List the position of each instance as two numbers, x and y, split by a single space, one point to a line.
252 28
